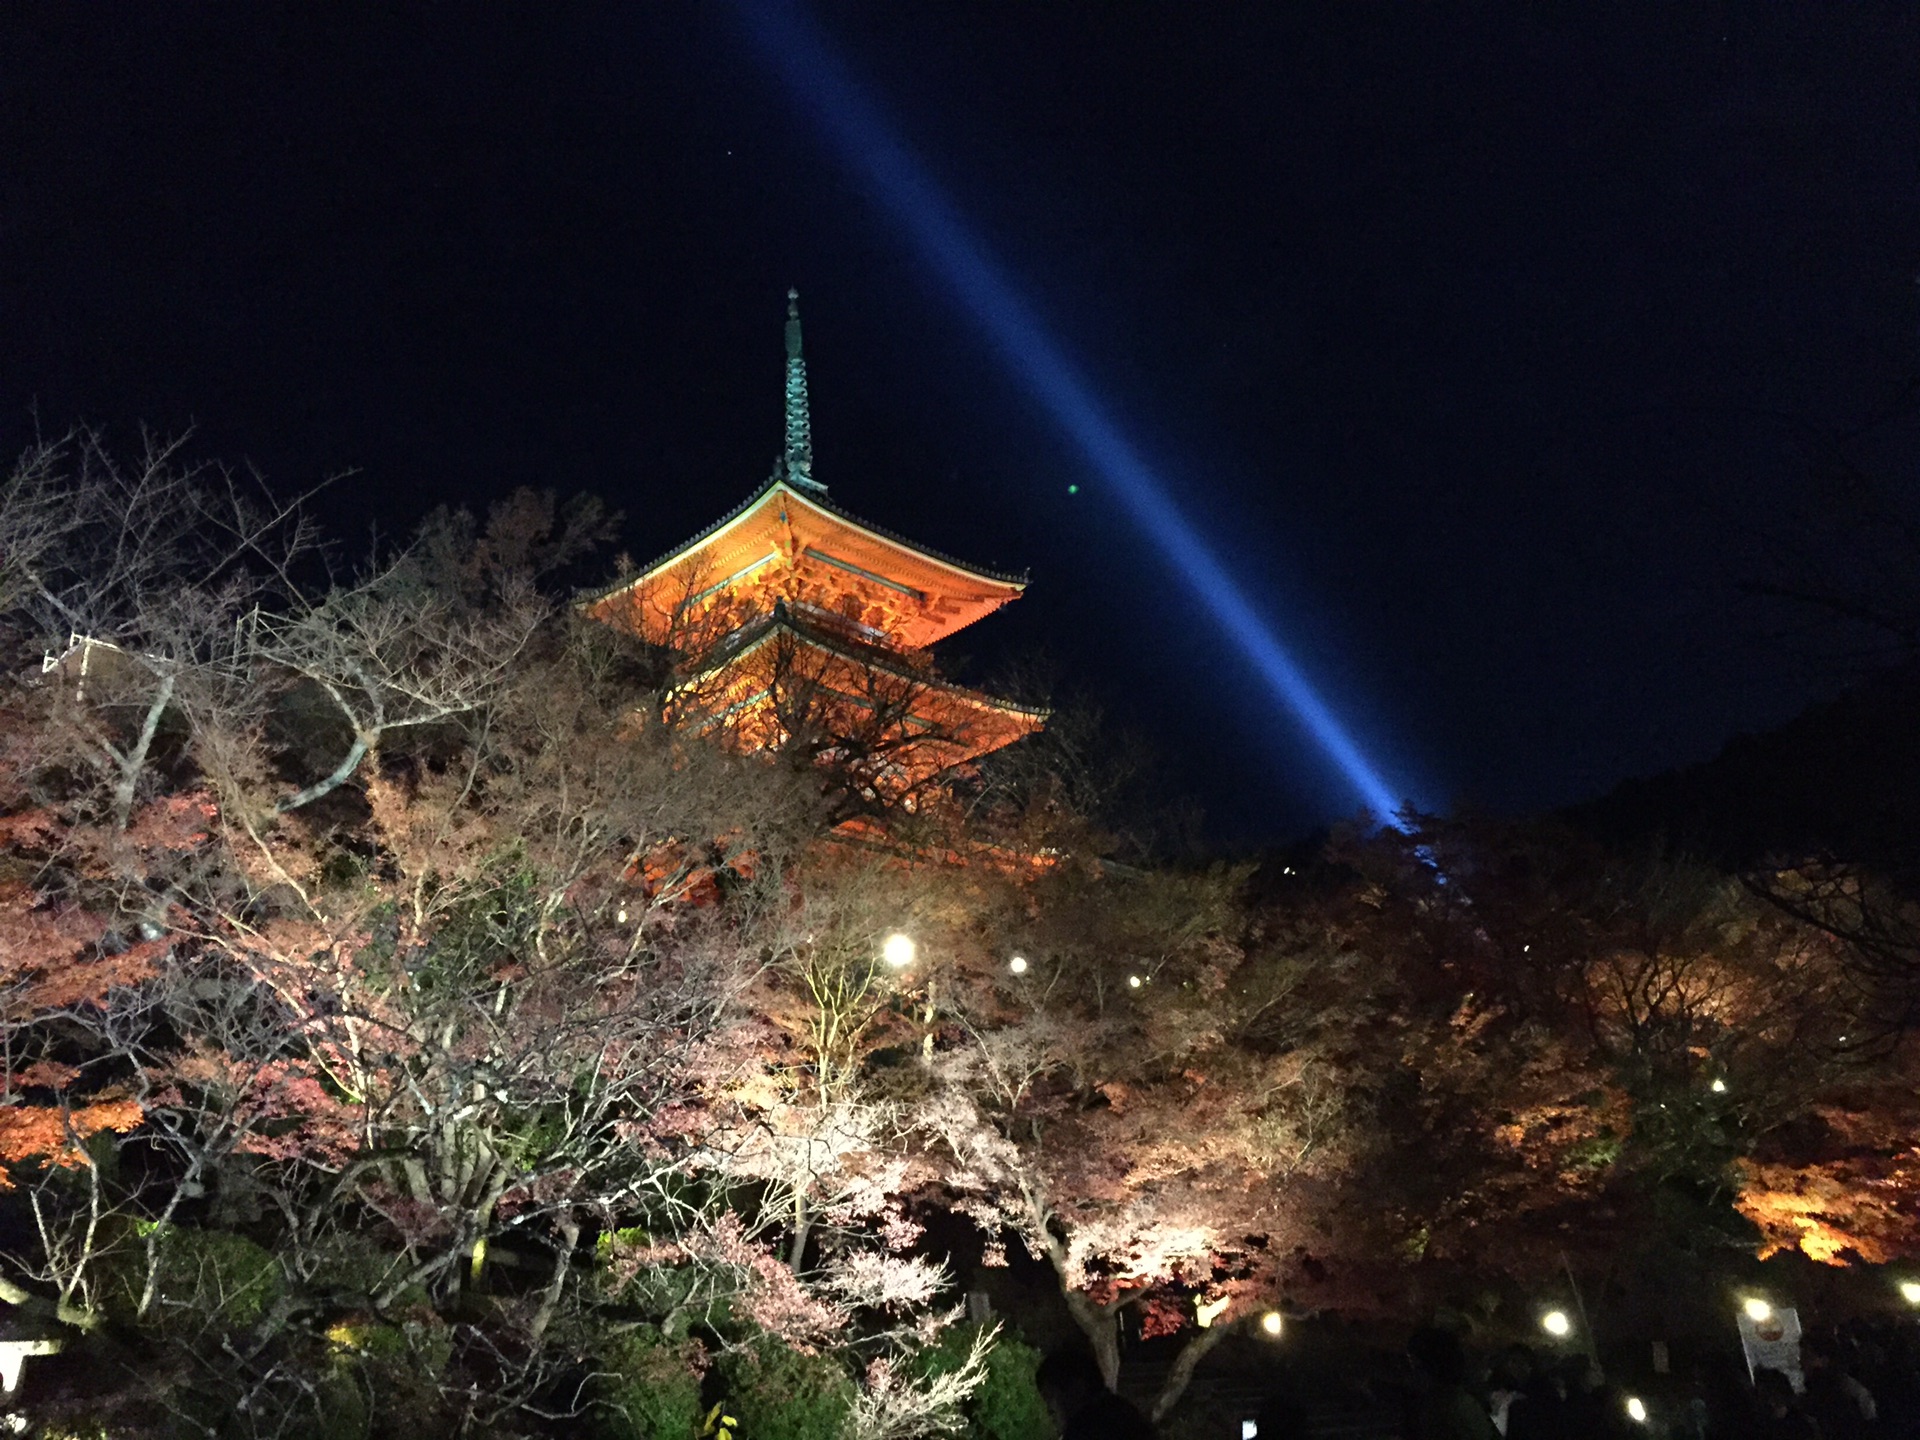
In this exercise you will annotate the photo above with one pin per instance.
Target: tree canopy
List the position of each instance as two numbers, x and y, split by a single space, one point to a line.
400 1004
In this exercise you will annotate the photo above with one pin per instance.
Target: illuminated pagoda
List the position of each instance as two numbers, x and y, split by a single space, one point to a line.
798 626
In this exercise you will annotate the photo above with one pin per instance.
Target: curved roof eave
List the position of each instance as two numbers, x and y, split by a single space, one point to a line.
763 630
1015 580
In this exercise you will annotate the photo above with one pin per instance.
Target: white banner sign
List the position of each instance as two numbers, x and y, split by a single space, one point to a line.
1774 1344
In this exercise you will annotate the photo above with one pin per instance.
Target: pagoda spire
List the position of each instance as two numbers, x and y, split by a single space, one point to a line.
797 460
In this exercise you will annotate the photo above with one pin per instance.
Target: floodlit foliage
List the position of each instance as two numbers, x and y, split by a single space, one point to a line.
406 1017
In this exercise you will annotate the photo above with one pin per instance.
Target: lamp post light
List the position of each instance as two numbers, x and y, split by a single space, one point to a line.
1556 1324
1910 1291
1636 1410
1272 1324
1018 964
1134 982
1758 1310
898 950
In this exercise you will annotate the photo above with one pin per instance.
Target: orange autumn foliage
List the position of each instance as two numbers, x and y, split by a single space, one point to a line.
57 1134
54 959
1849 1194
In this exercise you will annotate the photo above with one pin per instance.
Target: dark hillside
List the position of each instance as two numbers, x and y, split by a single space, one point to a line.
1841 779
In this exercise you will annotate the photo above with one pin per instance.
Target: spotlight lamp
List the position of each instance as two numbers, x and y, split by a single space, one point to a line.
1205 1312
1719 1086
1556 1324
1271 1323
1636 1410
1910 1291
1018 964
1758 1310
1134 982
899 951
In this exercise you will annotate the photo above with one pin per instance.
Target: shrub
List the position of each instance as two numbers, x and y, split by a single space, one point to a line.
780 1394
202 1275
1007 1406
649 1388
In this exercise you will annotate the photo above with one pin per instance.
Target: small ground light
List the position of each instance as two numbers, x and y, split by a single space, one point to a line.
1719 1087
1249 1429
1556 1324
1018 964
1271 1322
1134 982
1910 1291
1758 1310
898 951
1636 1410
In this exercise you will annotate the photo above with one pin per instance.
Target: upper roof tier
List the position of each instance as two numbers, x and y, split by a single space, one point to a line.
790 544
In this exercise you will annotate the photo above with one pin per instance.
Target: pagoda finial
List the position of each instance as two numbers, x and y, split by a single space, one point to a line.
797 461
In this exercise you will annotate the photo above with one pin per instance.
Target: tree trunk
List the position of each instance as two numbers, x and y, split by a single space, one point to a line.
802 1229
1184 1364
356 752
135 760
569 1229
1101 1326
1099 1323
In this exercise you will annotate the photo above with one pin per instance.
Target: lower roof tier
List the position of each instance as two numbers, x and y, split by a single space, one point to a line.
784 682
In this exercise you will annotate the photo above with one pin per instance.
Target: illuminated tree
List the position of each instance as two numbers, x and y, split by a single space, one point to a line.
792 1110
1103 1109
455 1009
1585 1049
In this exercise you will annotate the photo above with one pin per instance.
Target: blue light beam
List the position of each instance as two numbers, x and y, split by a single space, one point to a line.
799 54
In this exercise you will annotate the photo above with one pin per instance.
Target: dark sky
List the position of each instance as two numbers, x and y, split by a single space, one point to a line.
1461 329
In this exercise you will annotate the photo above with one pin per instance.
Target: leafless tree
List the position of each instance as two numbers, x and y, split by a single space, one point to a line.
139 581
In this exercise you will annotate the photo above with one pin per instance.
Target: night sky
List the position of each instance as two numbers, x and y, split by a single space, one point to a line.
1476 337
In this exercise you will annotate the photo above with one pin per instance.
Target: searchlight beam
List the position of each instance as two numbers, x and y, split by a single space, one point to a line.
800 55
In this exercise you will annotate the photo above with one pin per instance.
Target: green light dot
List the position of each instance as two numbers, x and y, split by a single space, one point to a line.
1073 489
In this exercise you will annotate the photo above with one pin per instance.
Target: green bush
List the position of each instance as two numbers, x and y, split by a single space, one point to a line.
649 1388
1007 1406
381 1379
779 1394
202 1275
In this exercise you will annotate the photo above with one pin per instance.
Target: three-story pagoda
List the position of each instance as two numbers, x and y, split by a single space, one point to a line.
798 624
